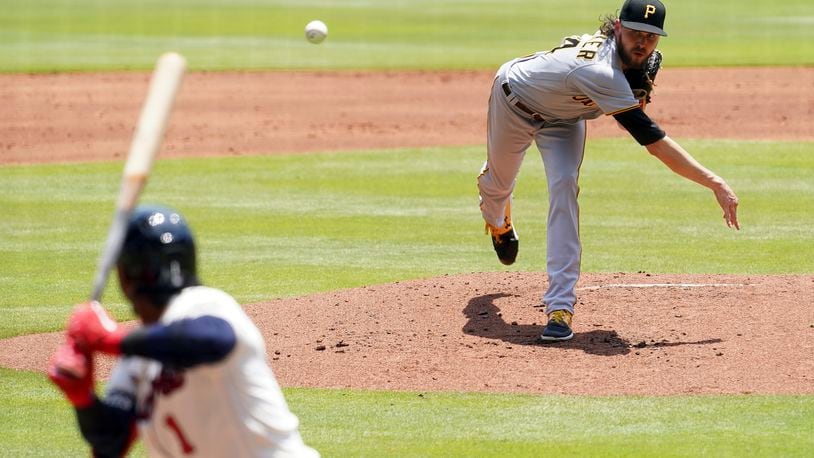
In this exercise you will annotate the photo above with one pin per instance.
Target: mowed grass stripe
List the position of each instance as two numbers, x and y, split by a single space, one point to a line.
36 421
81 35
276 226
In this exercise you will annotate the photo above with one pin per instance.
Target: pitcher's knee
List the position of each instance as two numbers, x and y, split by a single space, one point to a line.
563 184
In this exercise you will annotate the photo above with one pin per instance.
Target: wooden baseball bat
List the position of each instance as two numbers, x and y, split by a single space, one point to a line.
164 84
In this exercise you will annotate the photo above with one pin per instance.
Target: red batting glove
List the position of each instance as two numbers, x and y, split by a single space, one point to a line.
72 371
93 330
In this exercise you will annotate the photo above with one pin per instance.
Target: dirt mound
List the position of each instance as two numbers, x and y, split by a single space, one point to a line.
635 334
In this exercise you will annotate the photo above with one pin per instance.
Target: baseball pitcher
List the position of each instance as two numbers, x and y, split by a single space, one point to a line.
193 381
547 98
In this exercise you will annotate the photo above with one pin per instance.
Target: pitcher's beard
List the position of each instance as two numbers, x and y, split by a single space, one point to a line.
628 59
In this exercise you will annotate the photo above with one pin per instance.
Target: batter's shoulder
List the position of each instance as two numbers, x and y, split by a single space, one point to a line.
196 301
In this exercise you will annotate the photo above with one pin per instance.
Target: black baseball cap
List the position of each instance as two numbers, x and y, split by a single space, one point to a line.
644 15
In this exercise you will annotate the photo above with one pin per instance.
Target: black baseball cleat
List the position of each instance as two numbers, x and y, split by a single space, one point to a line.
558 327
505 242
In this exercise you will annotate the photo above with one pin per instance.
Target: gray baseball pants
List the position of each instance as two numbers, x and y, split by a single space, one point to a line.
509 133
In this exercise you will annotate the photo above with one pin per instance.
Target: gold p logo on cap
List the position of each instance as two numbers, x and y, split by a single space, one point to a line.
648 10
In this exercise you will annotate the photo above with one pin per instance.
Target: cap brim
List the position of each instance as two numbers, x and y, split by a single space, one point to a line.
644 28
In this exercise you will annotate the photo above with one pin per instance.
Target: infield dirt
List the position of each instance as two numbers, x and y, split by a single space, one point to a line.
475 332
91 116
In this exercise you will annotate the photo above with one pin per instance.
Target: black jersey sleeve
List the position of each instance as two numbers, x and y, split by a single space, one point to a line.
640 126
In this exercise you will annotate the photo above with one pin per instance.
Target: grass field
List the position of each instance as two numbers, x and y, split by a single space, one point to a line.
289 225
533 426
58 35
272 226
380 423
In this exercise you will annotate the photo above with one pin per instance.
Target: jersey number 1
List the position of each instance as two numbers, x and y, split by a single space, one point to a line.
186 447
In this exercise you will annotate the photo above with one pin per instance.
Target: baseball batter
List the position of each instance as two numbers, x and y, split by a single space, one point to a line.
547 98
194 380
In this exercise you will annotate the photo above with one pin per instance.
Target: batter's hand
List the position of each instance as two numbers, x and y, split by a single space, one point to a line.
72 371
729 203
92 329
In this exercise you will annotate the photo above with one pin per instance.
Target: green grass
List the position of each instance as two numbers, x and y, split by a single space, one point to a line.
274 226
34 420
375 423
461 424
60 35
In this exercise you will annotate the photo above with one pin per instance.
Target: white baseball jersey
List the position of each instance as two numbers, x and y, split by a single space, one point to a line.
580 79
233 407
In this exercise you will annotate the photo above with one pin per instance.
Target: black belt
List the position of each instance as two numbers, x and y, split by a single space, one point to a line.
522 106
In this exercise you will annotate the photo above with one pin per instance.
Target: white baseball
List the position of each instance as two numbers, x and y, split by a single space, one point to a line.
316 31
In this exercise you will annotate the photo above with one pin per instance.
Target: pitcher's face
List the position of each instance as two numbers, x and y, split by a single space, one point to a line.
634 46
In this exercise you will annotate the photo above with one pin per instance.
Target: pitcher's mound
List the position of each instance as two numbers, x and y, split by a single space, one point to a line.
634 334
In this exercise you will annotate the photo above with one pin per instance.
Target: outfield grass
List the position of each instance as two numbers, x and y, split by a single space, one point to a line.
503 425
378 423
60 35
274 226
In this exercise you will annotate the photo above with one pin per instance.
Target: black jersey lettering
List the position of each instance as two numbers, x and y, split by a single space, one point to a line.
567 42
589 48
586 54
583 99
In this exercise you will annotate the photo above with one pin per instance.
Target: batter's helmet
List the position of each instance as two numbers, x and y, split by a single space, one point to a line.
158 253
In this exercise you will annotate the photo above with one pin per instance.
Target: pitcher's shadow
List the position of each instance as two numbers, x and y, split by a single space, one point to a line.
485 320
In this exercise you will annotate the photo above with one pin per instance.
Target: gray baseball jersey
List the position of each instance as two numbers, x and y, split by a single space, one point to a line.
580 79
546 98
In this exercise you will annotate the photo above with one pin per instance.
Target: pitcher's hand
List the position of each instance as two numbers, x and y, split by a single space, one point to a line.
729 204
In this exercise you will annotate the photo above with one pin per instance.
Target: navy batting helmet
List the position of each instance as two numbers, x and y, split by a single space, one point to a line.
158 254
